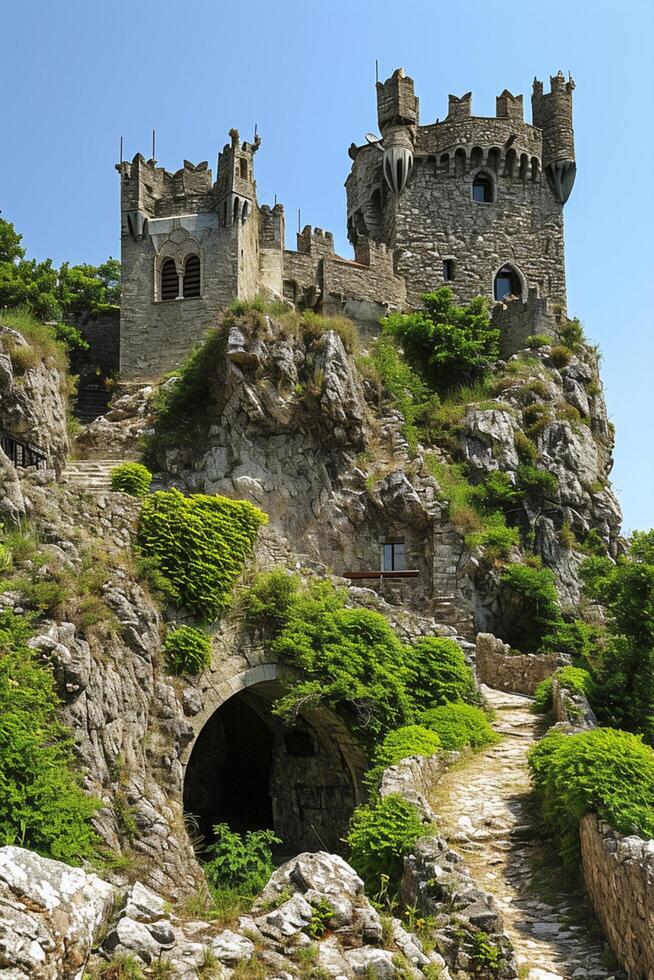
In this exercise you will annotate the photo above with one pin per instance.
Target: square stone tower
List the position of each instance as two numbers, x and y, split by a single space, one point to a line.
189 247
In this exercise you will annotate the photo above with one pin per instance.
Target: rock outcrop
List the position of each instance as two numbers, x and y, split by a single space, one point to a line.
32 398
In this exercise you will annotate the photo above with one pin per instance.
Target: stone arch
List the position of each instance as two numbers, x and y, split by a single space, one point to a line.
245 212
510 163
236 210
524 166
246 767
177 247
494 159
476 156
535 168
444 162
509 269
460 161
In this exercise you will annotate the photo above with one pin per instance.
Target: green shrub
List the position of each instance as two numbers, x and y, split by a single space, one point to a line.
400 744
525 447
575 679
42 806
495 537
187 650
572 334
536 417
448 345
409 393
268 601
602 770
535 481
543 696
200 543
131 478
240 863
539 340
379 837
459 726
438 672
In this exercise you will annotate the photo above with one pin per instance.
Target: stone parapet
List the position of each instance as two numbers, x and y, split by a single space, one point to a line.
520 673
619 876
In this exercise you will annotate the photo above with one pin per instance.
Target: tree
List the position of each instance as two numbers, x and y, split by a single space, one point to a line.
50 293
449 345
625 668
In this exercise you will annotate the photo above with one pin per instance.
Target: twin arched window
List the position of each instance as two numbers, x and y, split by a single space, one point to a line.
170 281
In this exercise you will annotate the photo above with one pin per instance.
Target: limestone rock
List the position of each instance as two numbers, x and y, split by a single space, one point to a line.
230 947
51 915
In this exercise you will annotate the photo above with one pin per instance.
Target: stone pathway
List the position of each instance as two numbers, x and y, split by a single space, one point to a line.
483 811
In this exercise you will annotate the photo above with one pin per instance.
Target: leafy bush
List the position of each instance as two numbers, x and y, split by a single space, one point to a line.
539 340
459 726
400 744
535 418
410 394
379 837
240 863
575 679
602 770
535 481
131 478
268 602
543 696
42 806
560 356
200 543
448 344
438 672
572 334
187 650
495 537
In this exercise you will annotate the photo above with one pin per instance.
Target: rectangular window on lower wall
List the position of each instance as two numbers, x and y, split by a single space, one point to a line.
394 555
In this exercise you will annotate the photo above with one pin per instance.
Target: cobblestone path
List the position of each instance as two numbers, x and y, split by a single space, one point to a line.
482 809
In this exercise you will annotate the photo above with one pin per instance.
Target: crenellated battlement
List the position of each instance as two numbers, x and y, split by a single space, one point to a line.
315 241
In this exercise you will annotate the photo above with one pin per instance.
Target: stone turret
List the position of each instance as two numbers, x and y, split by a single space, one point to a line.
552 113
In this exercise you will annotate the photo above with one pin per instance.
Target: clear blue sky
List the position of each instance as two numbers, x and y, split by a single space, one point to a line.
78 75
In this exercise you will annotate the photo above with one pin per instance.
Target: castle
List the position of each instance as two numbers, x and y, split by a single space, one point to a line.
475 202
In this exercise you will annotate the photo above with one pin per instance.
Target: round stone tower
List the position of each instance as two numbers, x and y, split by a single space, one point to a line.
469 201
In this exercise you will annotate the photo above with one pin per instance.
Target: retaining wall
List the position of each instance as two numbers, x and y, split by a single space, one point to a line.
520 673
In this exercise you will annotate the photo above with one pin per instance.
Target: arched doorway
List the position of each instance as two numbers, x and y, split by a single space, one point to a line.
507 283
250 770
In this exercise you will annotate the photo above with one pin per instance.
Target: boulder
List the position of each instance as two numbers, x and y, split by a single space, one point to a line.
51 915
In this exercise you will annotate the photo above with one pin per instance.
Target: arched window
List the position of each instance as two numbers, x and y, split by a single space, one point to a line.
237 210
245 212
448 270
507 283
192 277
482 189
243 165
169 280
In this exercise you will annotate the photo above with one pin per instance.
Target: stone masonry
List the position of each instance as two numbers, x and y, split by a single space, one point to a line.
472 201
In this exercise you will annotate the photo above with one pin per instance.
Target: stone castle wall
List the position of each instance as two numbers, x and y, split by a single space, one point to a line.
619 875
520 673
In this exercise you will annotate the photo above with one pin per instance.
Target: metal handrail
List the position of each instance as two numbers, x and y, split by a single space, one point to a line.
22 453
405 573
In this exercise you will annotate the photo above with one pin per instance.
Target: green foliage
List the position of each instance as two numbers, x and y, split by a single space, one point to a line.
538 610
560 356
437 672
321 912
42 806
603 770
41 338
187 650
576 679
495 537
448 344
400 744
539 340
535 418
189 396
543 696
240 863
410 394
379 837
535 481
131 478
484 954
200 543
572 334
623 664
351 660
50 293
459 726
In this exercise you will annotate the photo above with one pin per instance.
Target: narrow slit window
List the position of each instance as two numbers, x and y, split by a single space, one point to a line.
482 189
448 270
169 280
192 277
394 558
244 168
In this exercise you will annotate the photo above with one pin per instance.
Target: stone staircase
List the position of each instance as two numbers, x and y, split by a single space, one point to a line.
92 401
93 475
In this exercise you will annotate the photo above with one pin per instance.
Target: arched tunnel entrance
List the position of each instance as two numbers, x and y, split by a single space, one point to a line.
250 770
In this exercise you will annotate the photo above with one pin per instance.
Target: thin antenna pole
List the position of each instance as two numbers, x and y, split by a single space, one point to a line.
154 144
121 149
298 221
275 200
255 130
376 71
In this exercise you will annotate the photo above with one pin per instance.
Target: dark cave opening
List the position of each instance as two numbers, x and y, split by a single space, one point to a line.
228 774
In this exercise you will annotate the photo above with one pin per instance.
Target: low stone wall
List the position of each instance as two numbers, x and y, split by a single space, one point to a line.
572 709
519 673
415 777
619 874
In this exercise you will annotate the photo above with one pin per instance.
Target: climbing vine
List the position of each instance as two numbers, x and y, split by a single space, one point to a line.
199 543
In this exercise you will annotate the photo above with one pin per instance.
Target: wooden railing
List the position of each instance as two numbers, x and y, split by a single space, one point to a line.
406 573
22 453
